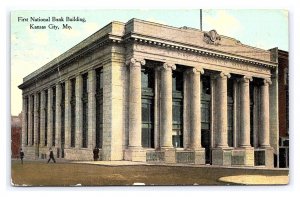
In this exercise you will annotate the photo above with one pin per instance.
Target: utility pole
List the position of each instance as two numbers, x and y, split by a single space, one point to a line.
201 19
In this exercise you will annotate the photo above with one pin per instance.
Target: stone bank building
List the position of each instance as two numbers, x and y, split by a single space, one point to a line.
142 91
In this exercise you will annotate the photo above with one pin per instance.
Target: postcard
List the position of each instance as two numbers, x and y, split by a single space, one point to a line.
149 97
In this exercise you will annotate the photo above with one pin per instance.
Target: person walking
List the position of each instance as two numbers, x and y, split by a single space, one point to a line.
21 156
96 153
51 156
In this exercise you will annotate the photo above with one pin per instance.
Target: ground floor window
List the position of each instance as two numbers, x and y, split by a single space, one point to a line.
177 137
147 123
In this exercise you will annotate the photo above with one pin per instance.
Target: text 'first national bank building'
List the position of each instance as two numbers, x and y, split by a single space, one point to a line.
142 91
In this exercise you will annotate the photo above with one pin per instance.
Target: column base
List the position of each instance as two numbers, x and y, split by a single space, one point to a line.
200 156
243 156
135 154
221 156
170 155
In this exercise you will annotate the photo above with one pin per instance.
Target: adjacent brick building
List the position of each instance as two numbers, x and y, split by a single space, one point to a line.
16 135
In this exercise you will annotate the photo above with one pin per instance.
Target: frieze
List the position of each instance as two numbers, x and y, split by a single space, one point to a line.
201 58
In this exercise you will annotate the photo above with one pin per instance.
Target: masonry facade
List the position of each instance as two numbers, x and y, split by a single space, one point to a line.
143 91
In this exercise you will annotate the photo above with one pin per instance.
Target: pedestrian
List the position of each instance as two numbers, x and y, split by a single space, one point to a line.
21 156
96 153
51 156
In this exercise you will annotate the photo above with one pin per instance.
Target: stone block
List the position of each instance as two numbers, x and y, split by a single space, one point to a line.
200 156
242 157
135 155
170 156
269 157
221 156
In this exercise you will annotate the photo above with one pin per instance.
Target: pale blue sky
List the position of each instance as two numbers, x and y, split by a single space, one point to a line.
31 49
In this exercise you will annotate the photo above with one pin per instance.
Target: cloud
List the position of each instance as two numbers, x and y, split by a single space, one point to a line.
223 23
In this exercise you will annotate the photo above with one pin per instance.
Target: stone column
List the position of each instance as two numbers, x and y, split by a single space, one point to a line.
36 125
78 118
264 137
221 154
42 117
58 115
24 121
195 116
135 104
245 112
36 119
221 141
30 120
67 113
91 109
166 105
196 109
50 117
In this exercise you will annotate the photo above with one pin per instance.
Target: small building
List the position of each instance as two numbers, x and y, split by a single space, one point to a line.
143 91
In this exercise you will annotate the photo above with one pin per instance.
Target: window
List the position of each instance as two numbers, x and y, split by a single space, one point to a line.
84 110
46 117
177 112
205 116
147 80
53 115
32 119
73 112
230 111
27 107
62 107
205 103
99 107
38 117
251 114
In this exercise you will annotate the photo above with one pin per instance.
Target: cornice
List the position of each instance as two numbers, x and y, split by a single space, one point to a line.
146 40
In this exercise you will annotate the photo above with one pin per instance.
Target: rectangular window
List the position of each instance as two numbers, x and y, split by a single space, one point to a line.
177 112
32 120
251 113
26 100
73 112
53 115
230 111
46 117
62 107
84 110
147 80
38 118
99 107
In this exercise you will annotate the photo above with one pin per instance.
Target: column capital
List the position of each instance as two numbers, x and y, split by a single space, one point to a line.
267 81
246 79
168 66
224 75
136 62
196 71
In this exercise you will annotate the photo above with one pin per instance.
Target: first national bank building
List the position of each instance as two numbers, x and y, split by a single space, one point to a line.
142 91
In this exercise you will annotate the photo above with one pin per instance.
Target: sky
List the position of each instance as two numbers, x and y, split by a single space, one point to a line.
32 48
